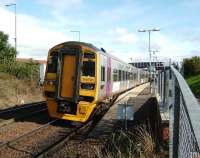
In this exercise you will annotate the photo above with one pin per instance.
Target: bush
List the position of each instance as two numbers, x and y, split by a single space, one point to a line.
22 70
191 66
8 63
139 144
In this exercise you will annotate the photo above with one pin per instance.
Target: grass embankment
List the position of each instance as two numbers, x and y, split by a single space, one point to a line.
17 91
194 83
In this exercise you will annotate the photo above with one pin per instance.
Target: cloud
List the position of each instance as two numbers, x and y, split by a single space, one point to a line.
195 52
7 1
61 4
172 47
123 36
34 36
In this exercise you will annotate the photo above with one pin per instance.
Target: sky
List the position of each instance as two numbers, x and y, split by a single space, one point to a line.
110 24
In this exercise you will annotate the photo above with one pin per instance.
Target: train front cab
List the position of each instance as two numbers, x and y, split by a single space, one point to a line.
76 82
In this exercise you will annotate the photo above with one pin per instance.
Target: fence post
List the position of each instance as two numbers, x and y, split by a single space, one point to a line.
176 120
164 88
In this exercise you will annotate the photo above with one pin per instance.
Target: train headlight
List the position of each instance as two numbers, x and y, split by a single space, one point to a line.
50 83
82 110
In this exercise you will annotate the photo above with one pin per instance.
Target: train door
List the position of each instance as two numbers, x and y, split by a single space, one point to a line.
69 73
108 84
103 76
69 66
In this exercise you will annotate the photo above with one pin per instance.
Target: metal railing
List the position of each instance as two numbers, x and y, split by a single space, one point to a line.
184 113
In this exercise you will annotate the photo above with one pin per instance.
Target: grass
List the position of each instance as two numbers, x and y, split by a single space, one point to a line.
137 144
194 83
15 91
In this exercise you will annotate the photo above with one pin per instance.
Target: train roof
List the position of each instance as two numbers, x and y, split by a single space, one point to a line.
95 49
80 43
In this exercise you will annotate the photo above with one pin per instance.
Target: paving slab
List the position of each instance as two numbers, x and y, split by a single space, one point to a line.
137 97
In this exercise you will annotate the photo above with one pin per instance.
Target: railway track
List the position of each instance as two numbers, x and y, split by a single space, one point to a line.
8 116
81 131
38 140
34 141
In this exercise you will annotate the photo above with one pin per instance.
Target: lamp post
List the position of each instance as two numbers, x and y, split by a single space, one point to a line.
153 53
149 33
79 34
15 7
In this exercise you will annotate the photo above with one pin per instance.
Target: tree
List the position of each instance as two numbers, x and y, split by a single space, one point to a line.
7 52
191 66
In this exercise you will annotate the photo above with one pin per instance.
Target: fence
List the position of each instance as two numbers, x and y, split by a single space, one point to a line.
177 98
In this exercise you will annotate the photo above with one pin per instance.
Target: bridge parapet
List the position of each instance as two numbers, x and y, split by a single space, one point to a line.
178 101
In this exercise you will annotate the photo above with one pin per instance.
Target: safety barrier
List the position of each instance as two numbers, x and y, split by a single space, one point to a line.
177 99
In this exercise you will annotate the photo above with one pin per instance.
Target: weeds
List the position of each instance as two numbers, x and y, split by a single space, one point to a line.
137 144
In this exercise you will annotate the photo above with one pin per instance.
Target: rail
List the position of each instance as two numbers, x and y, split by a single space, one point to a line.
178 101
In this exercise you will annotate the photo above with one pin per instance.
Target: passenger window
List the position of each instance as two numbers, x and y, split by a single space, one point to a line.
88 68
102 73
120 75
135 76
115 75
129 75
124 76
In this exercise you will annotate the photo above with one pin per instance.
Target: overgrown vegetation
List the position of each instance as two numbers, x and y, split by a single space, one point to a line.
192 74
138 144
6 50
191 66
21 70
18 79
194 83
8 63
14 91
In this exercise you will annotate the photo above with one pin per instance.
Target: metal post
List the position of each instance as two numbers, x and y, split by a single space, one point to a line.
158 82
161 85
176 120
164 87
126 115
149 33
15 7
149 50
15 27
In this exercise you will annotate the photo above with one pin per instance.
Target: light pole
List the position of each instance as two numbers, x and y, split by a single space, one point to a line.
15 7
149 33
79 34
153 53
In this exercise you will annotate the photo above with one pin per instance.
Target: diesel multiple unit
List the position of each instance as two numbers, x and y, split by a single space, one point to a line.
79 76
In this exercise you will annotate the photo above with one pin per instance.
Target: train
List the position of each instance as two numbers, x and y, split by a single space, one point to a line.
80 76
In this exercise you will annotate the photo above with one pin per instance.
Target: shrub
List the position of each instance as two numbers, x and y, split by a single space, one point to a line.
22 70
191 66
129 144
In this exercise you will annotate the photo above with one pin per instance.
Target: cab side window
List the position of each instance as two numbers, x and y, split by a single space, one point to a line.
102 73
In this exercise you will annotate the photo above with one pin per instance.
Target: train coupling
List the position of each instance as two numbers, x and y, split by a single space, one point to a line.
66 107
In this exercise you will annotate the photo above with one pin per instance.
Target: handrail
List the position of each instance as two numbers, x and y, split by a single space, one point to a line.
177 99
191 103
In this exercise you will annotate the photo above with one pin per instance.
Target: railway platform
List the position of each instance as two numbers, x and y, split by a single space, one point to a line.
145 109
111 118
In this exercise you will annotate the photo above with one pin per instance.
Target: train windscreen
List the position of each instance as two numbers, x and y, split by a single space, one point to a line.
52 64
88 68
